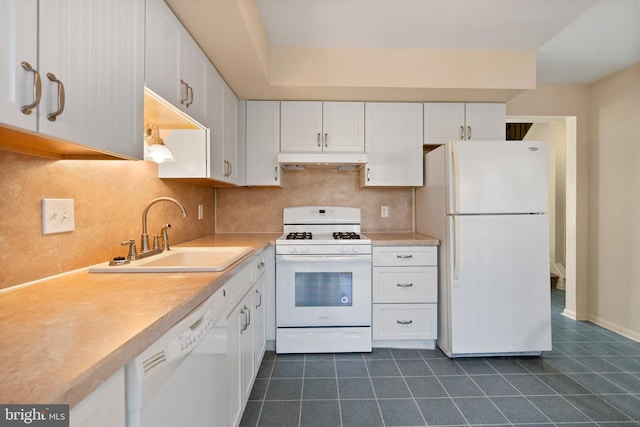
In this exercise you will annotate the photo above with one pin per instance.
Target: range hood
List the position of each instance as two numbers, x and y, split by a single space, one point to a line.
339 161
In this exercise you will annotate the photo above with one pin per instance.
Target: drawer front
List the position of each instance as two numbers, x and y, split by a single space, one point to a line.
405 255
405 284
405 321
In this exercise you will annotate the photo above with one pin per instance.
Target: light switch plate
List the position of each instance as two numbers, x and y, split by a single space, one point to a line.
57 216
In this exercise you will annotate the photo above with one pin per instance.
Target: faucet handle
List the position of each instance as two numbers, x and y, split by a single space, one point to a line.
133 252
165 237
156 242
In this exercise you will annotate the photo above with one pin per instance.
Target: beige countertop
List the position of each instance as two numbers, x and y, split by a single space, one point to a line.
60 338
400 239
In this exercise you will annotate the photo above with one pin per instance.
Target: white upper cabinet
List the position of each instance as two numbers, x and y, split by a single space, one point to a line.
19 55
223 130
458 121
394 144
175 65
263 140
314 126
87 70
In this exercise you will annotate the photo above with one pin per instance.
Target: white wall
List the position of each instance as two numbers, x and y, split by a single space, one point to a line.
614 202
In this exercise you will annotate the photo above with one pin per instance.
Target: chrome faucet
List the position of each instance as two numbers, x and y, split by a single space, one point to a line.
145 236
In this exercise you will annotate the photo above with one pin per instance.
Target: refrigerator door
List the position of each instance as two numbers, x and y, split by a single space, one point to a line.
498 293
487 177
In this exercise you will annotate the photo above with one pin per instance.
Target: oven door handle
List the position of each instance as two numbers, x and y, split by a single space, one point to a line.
323 258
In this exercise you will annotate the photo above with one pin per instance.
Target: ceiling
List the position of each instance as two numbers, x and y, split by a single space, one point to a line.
411 50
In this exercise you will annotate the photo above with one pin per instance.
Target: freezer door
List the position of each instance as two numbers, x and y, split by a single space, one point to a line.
497 177
499 295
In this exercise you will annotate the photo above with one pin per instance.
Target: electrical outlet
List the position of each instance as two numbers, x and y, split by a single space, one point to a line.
384 211
57 216
200 211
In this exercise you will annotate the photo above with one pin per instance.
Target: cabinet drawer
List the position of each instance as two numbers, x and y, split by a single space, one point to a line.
405 255
405 321
405 284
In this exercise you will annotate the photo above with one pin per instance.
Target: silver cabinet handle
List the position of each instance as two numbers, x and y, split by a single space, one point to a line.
230 168
189 96
404 322
319 145
275 173
186 92
248 315
461 132
260 295
53 116
326 136
37 89
368 174
468 132
404 285
245 323
404 256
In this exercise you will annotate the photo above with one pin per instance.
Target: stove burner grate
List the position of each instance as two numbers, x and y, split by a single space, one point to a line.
346 235
299 235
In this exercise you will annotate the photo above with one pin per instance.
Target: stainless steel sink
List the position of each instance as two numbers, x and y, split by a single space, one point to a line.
187 259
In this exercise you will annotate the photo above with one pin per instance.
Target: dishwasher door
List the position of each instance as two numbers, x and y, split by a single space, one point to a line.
181 380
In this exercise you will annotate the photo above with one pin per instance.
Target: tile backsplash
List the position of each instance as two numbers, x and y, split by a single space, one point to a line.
109 197
259 209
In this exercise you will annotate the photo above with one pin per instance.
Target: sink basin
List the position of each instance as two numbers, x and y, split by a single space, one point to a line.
195 259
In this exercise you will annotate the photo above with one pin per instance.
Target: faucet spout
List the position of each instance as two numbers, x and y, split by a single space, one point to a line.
145 235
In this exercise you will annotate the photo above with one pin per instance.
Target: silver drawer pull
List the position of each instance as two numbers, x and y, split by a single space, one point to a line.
404 322
404 256
404 285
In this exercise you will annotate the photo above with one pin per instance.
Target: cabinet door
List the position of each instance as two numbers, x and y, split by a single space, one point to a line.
235 322
263 140
443 121
301 126
92 58
259 321
105 406
343 126
215 101
394 144
193 76
18 43
247 366
162 35
485 122
230 103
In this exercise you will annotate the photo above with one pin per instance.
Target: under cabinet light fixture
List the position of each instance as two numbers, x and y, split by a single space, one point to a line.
154 148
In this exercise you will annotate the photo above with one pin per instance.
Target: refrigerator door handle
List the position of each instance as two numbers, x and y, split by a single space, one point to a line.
454 187
456 252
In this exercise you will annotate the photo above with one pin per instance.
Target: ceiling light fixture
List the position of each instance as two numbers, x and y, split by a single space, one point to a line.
154 148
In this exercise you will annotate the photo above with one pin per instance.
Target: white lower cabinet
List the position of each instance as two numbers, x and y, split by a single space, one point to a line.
245 333
405 296
105 406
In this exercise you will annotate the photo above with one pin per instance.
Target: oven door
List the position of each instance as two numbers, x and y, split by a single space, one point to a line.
323 290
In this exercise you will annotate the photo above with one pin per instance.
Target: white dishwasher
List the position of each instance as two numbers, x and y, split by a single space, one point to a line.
181 379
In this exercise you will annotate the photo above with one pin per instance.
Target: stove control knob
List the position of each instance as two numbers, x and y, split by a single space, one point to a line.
344 249
292 249
355 248
304 250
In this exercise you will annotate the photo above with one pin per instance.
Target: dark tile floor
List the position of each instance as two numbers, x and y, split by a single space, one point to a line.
591 378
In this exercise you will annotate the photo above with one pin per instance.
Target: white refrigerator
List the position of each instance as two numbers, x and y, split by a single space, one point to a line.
487 203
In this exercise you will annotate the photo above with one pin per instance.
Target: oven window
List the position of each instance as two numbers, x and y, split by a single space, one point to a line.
324 289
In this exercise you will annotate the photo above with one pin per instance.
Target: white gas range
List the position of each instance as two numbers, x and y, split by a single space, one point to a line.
323 282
